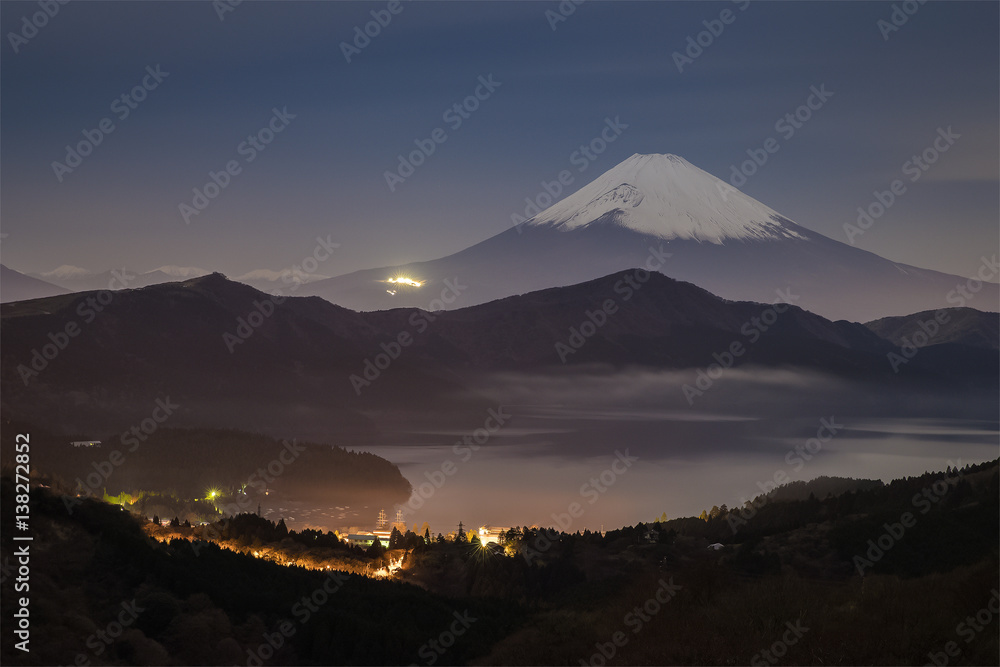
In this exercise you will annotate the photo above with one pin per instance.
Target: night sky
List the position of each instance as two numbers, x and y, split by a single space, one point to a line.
324 172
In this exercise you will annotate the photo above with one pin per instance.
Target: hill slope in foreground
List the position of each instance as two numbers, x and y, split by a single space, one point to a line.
784 579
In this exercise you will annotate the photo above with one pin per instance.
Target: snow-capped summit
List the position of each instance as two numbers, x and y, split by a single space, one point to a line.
75 279
666 196
66 272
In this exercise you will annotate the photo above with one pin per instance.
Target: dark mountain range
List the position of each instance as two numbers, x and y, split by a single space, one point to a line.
618 320
195 342
964 326
233 357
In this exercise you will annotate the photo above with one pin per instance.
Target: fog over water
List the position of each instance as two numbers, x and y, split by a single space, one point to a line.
568 428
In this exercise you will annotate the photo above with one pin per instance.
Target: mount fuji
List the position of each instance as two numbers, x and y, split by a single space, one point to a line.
660 212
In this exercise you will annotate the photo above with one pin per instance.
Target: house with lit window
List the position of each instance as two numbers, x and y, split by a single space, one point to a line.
365 540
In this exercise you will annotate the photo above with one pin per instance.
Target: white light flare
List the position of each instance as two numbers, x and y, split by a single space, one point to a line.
405 281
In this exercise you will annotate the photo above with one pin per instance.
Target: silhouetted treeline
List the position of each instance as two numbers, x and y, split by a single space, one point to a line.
954 515
540 596
821 487
205 605
186 462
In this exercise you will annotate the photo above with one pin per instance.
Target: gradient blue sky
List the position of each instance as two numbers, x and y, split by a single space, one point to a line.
324 174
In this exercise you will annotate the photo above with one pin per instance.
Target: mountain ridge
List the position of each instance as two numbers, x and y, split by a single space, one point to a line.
235 357
17 286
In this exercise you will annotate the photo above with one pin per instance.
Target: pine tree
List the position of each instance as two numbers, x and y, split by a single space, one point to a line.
375 550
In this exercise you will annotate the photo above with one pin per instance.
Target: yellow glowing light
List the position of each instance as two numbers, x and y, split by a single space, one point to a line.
212 493
405 281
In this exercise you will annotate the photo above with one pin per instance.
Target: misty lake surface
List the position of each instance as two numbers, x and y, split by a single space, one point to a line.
610 450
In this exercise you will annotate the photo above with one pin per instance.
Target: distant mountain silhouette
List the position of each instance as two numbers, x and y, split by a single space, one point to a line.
665 323
16 286
234 358
289 376
963 326
76 279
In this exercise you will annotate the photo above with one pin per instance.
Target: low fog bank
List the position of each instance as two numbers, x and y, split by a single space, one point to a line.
747 430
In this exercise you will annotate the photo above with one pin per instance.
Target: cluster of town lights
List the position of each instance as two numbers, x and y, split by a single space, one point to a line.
410 282
405 281
394 564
